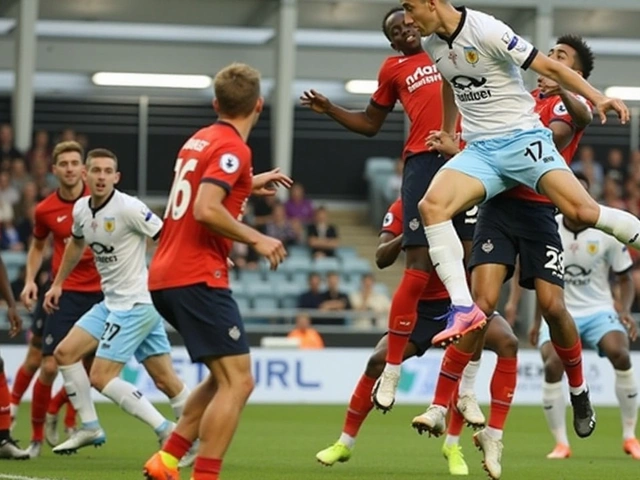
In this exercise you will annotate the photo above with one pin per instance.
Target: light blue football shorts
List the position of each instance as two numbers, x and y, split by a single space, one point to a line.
591 329
122 334
504 162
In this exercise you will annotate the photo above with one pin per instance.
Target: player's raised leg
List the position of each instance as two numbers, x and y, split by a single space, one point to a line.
8 448
28 369
451 449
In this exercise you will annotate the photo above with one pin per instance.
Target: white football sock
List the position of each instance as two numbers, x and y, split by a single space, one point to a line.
447 256
347 440
627 393
78 387
127 397
452 440
493 433
468 380
179 401
390 367
554 404
622 225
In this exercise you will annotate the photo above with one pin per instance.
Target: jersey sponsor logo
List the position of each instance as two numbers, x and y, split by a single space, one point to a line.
422 76
61 218
470 89
109 224
103 253
229 163
471 55
388 219
577 275
593 246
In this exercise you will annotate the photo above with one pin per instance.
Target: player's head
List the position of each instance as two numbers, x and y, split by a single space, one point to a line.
237 93
424 14
67 163
584 181
574 52
101 172
404 37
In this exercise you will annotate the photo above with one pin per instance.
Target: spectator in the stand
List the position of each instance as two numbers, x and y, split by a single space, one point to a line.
615 166
263 211
28 200
6 212
368 300
8 149
299 207
17 284
83 140
313 297
632 197
44 179
8 193
41 148
322 237
68 135
24 224
10 239
587 164
19 174
333 299
281 227
244 257
634 162
392 188
612 192
308 336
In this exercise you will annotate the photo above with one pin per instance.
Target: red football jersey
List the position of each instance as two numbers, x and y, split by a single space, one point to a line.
392 223
54 215
188 252
415 82
550 109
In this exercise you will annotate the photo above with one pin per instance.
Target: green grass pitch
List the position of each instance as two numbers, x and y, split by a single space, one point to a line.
280 442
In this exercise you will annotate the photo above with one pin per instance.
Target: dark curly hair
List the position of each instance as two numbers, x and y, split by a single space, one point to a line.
584 53
386 17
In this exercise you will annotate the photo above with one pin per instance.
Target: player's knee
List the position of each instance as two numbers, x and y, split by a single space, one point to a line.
487 305
553 369
98 379
375 365
508 346
49 368
63 355
553 308
433 209
243 386
620 359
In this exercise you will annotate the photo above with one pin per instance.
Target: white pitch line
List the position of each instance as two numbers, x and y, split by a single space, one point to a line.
20 477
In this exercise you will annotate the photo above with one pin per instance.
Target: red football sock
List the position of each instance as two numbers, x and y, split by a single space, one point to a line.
70 416
359 406
58 400
503 385
453 364
20 384
176 445
5 404
456 420
39 405
572 361
403 316
207 468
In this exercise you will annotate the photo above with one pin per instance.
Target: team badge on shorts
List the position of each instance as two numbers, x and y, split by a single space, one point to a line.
487 247
109 224
593 247
471 55
234 333
414 224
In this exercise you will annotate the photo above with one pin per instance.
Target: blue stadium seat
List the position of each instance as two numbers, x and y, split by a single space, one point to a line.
265 304
349 287
355 266
290 301
277 277
325 265
378 165
295 265
285 289
250 276
236 287
298 251
259 289
300 278
381 288
14 261
243 303
346 252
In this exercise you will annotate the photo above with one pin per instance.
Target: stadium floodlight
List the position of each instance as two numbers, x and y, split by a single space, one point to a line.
629 94
361 87
151 80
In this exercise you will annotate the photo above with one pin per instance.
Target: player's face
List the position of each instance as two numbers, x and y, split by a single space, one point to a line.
102 176
563 54
405 37
422 14
68 169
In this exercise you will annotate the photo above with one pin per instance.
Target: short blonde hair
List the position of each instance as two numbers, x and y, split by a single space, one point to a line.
237 89
66 147
101 153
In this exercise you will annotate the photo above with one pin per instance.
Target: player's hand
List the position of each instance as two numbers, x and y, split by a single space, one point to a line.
14 321
272 249
607 104
315 101
52 299
510 313
230 263
549 88
443 142
29 295
266 184
534 335
630 324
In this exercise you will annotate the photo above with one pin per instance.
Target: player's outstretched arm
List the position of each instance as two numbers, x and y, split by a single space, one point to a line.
7 294
567 78
578 110
449 109
35 256
365 122
389 248
72 255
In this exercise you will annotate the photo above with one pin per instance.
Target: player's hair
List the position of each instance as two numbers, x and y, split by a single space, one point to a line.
586 58
101 153
237 89
386 17
581 176
66 147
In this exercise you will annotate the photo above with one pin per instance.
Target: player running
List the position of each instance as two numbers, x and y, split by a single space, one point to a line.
116 227
589 257
8 447
432 308
189 275
412 79
521 222
53 217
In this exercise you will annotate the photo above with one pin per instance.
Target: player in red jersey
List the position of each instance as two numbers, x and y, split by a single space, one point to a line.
412 79
8 447
188 276
53 217
521 222
432 308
